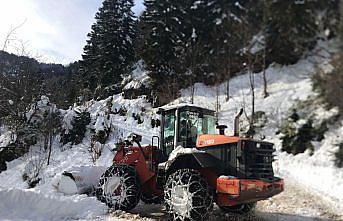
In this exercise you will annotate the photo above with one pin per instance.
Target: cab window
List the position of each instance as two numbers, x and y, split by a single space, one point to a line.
193 124
169 131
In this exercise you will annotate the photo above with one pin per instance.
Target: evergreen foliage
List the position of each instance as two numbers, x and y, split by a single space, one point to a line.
297 136
160 26
210 41
80 123
291 29
79 127
109 52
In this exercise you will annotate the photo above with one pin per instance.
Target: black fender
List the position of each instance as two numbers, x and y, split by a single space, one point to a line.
196 161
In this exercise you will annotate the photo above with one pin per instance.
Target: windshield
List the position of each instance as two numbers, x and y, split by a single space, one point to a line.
193 124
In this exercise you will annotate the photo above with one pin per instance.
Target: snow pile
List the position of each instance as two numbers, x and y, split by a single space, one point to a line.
41 108
84 179
18 204
119 114
7 138
46 202
139 77
318 172
66 185
68 117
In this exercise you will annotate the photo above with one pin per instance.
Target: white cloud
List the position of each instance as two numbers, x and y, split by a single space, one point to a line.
57 30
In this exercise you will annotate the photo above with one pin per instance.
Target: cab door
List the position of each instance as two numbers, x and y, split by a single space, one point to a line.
168 133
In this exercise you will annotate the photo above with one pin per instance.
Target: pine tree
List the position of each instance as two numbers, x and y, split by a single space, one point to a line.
291 31
176 43
109 52
223 37
198 22
79 124
160 46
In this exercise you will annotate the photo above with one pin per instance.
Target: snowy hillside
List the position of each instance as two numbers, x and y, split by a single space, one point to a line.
286 85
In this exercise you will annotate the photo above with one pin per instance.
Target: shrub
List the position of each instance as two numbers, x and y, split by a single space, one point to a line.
153 123
36 163
122 111
138 118
101 136
79 128
297 135
260 121
329 85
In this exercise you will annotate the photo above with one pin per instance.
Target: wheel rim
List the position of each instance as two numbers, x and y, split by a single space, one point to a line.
113 188
181 200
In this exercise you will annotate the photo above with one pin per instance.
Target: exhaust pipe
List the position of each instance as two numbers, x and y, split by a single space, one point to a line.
236 126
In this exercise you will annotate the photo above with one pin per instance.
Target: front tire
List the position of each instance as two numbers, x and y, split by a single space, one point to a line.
187 196
239 209
119 188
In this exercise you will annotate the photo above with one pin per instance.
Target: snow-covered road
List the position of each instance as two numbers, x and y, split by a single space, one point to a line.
298 204
294 204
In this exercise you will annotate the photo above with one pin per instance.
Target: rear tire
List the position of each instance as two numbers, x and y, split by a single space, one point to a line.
187 196
239 209
119 188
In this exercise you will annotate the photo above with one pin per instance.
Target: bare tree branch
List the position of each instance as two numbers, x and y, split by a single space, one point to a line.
11 35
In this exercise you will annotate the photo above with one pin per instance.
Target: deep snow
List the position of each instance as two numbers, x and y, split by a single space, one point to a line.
286 85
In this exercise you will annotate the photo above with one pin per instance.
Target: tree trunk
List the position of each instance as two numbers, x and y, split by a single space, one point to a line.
265 92
228 74
50 147
192 95
228 90
217 99
252 87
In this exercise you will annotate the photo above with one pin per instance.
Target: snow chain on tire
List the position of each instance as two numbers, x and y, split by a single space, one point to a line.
119 188
187 196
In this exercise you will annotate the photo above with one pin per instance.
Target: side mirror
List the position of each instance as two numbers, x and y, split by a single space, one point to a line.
221 129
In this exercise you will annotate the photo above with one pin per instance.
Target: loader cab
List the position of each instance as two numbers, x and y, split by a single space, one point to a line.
180 126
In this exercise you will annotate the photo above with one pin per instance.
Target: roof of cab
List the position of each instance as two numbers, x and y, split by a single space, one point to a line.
185 106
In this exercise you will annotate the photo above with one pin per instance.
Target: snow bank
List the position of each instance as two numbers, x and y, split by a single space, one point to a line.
18 204
317 172
83 179
44 202
139 77
105 114
68 117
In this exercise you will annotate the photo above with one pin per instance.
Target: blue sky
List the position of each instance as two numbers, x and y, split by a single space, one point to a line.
52 31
